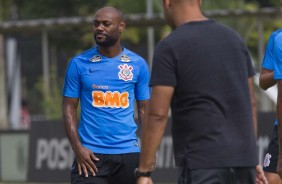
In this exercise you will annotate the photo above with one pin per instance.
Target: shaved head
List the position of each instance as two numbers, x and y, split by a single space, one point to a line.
177 12
110 11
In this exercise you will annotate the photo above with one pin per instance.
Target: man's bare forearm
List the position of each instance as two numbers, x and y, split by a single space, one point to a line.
154 125
142 108
266 79
152 132
70 123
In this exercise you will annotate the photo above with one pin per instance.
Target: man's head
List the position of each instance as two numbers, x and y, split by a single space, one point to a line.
178 11
107 26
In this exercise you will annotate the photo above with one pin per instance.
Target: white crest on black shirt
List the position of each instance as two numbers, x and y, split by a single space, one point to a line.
266 160
96 58
124 58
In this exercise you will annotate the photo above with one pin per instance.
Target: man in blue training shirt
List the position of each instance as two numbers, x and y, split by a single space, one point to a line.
107 79
267 81
277 48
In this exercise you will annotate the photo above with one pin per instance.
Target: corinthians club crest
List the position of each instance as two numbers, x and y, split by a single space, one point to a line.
125 72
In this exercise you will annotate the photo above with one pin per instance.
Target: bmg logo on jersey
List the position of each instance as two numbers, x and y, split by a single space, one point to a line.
110 99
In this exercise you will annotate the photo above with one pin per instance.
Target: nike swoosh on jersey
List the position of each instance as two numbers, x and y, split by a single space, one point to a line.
92 70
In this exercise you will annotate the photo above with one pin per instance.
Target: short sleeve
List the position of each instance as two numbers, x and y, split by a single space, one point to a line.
277 54
251 71
142 90
164 65
250 68
71 87
268 56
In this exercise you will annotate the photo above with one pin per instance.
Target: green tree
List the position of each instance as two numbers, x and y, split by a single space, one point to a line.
69 41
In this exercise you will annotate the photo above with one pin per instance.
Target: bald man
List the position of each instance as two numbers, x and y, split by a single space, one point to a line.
106 79
203 71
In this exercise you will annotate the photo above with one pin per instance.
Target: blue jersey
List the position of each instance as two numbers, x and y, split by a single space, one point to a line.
107 89
272 55
277 50
268 60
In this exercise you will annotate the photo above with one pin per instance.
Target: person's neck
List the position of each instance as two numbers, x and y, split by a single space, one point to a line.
188 19
110 52
191 15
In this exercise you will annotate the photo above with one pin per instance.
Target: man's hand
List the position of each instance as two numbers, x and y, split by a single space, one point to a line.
85 161
144 180
260 177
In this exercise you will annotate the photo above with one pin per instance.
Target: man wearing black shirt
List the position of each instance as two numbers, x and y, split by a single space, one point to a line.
204 72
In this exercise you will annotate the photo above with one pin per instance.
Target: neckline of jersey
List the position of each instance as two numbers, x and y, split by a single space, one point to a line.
103 56
199 22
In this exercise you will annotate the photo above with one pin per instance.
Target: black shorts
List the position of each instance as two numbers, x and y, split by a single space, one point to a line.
226 175
271 157
112 169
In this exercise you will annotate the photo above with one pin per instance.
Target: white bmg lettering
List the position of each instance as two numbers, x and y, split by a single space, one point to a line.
55 153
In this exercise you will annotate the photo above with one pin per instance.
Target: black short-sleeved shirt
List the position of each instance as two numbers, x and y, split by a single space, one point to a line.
209 66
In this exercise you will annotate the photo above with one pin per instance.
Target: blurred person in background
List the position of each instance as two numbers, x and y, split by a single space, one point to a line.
204 72
106 79
266 81
25 115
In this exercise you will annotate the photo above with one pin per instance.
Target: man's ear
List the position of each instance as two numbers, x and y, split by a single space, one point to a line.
122 26
166 3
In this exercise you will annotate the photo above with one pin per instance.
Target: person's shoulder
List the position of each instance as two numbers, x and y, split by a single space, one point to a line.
226 28
277 38
133 56
173 36
228 32
84 55
276 33
166 44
